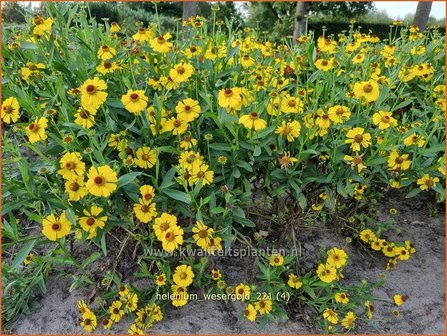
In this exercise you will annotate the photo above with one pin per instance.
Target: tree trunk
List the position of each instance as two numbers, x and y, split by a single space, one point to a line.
422 13
299 28
189 9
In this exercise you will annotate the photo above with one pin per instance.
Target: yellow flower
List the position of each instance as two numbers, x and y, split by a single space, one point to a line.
384 119
398 162
230 98
135 330
180 296
336 257
426 182
264 305
85 118
172 238
252 121
369 309
188 109
290 104
160 279
339 113
242 292
349 320
89 321
246 61
356 161
202 234
75 187
55 228
28 259
92 94
147 192
276 260
177 126
106 52
399 299
146 157
131 301
369 91
36 130
183 276
106 323
330 315
414 139
116 311
187 142
71 165
250 313
294 281
107 67
163 223
324 64
41 25
92 221
286 161
359 58
327 273
144 210
135 101
181 72
114 27
201 173
358 138
101 181
326 44
215 274
143 34
10 109
290 130
160 43
341 298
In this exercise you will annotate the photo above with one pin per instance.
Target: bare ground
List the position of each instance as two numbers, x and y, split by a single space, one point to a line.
422 279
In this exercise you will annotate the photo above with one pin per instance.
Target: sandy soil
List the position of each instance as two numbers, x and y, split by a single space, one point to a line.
422 279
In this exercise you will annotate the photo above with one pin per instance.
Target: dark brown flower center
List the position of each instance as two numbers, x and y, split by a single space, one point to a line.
203 233
56 226
228 92
99 180
367 88
33 127
254 115
180 70
107 65
90 88
90 221
358 138
144 208
74 186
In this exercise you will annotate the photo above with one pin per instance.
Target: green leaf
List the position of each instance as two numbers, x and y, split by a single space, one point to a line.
221 147
244 221
245 165
257 151
127 178
232 52
94 256
168 178
23 252
71 216
177 195
413 193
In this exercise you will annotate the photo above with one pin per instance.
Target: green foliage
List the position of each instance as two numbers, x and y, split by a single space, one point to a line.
13 12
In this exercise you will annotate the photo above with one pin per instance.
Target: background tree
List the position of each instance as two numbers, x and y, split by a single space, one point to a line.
422 14
13 12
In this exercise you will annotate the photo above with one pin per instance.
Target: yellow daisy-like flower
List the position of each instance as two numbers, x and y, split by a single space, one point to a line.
115 27
294 281
230 98
336 257
183 275
161 44
71 165
101 181
368 236
188 109
55 228
398 162
252 121
107 67
250 313
135 330
146 157
92 94
348 321
75 188
369 91
201 173
286 161
145 210
107 323
116 311
215 274
92 221
290 130
355 161
324 64
41 25
341 298
187 142
172 238
177 126
290 104
181 72
202 234
36 130
242 292
327 273
426 182
163 223
276 260
85 118
131 301
89 321
160 279
105 52
399 299
339 114
143 34
330 315
414 139
358 138
180 296
263 306
384 119
10 110
135 101
147 192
